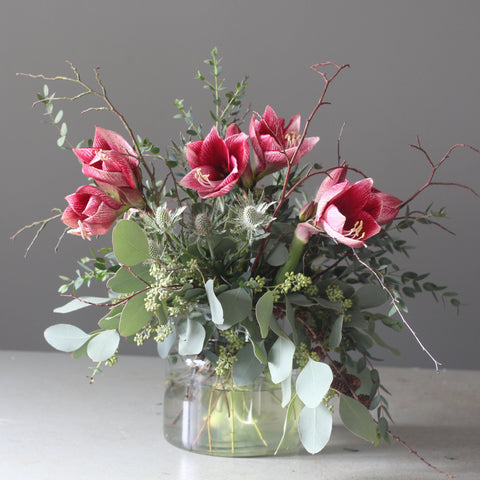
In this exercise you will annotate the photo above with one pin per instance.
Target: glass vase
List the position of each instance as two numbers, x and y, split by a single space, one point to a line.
206 414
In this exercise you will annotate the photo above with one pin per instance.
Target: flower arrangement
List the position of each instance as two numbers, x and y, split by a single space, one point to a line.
225 258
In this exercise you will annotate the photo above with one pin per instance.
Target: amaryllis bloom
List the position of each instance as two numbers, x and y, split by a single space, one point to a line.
217 164
351 213
112 163
91 211
275 143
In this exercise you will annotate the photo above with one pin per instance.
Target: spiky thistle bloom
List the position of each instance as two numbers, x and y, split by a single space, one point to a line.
251 218
164 219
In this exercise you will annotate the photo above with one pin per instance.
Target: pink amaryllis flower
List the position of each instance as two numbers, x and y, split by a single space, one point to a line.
112 163
275 143
91 211
217 164
350 213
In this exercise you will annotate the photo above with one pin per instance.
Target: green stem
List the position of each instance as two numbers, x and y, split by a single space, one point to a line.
294 255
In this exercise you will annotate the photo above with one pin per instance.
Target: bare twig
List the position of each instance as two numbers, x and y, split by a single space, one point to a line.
436 166
395 304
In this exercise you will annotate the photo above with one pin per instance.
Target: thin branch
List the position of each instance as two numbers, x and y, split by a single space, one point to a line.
395 304
436 166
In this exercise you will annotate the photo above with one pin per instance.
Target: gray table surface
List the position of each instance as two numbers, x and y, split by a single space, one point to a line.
54 425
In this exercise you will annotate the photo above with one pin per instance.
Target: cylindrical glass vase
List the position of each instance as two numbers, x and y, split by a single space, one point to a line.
205 414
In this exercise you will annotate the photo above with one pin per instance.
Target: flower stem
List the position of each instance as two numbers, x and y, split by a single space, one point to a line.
294 255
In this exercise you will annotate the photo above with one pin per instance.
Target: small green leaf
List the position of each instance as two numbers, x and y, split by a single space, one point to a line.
66 338
58 116
357 418
102 346
60 141
263 312
130 243
63 129
315 428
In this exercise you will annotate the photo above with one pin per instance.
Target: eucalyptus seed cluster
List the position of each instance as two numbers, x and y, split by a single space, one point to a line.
227 354
167 282
303 354
294 282
156 329
335 295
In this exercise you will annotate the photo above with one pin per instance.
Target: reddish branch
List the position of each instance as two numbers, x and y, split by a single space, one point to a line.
435 167
291 161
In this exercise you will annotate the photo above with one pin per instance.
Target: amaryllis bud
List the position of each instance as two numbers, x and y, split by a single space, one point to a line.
308 211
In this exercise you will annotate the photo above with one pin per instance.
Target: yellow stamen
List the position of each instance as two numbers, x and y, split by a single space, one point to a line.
356 231
292 138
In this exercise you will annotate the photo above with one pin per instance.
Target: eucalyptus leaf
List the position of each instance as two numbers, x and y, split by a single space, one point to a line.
286 391
357 418
259 351
236 305
130 280
81 302
290 316
191 336
336 333
370 296
315 428
313 382
280 359
102 346
263 312
130 243
247 367
65 337
215 305
134 316
278 256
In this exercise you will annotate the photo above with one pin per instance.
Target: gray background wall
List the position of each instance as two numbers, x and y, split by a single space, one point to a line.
414 70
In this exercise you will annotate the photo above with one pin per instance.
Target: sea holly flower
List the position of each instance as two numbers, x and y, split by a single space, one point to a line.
91 211
217 164
112 163
352 213
275 143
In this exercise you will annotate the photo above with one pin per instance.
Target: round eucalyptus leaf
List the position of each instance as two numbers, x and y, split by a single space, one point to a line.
280 359
247 367
102 346
313 383
66 338
191 336
315 428
134 316
130 243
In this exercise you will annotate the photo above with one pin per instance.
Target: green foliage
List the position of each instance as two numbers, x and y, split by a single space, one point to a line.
315 428
356 418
